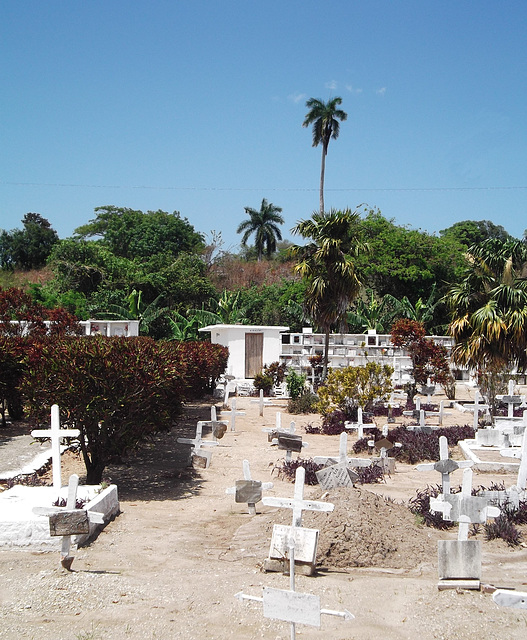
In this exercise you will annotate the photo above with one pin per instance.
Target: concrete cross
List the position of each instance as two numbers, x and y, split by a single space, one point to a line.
197 443
290 605
464 507
56 434
227 380
68 521
233 414
510 400
249 490
445 465
521 453
297 503
476 407
218 426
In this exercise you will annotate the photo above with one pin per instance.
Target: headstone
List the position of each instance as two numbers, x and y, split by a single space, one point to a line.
460 560
56 434
249 490
200 456
336 475
445 465
233 415
521 482
68 521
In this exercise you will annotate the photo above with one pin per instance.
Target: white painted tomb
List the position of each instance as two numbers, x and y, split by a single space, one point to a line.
21 528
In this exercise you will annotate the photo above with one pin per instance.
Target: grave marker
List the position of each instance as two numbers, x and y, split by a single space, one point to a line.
342 457
521 482
445 466
249 490
233 414
56 434
510 399
200 457
476 407
68 521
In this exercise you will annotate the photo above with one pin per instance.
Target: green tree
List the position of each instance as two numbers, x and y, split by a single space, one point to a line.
264 225
324 116
469 232
373 314
132 234
326 264
30 247
489 309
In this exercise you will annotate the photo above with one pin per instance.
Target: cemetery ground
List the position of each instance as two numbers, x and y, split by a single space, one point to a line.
170 564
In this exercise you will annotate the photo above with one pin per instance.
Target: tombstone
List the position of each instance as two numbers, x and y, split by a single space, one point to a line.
288 442
291 606
476 407
521 482
233 414
218 427
445 465
336 475
383 446
68 521
226 388
459 561
306 541
263 402
249 490
56 434
510 399
200 457
342 457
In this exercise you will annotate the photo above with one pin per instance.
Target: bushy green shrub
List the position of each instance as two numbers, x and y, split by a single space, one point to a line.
305 403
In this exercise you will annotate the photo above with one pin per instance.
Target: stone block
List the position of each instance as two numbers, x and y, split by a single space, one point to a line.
459 559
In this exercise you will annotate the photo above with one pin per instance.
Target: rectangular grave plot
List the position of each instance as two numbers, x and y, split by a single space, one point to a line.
69 523
306 543
248 491
291 606
459 559
289 442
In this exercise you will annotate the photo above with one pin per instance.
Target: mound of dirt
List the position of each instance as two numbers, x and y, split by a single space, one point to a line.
368 530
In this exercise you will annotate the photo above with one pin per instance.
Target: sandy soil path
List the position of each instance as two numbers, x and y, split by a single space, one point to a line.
170 564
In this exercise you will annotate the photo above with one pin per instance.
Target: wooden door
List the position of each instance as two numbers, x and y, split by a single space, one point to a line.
253 354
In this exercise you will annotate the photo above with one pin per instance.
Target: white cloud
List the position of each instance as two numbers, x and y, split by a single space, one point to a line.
381 91
351 89
297 97
331 85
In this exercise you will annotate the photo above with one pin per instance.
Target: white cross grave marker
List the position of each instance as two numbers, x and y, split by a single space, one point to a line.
337 473
521 453
197 443
464 507
297 503
68 521
56 434
233 414
445 465
510 399
218 426
249 490
476 407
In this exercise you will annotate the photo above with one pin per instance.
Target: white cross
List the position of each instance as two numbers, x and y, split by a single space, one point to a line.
234 413
56 434
258 486
445 465
521 482
342 455
510 400
464 507
215 424
98 518
197 442
297 503
476 407
262 402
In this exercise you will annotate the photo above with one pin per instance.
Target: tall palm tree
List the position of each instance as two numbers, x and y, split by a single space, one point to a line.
327 267
264 224
489 309
324 116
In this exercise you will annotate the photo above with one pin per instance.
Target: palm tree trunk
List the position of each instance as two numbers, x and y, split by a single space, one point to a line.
322 174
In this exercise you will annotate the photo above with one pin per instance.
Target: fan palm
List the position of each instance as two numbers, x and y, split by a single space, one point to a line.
264 225
324 116
326 265
489 308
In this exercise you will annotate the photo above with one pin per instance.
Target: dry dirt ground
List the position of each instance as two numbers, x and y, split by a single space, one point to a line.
170 564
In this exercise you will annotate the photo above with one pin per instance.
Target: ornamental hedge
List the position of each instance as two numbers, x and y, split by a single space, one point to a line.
117 391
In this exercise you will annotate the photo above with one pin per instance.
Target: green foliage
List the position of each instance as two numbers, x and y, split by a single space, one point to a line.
271 375
304 403
296 384
72 301
470 232
30 247
355 387
117 391
132 234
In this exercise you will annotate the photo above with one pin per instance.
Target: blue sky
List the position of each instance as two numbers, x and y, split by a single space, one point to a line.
197 106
